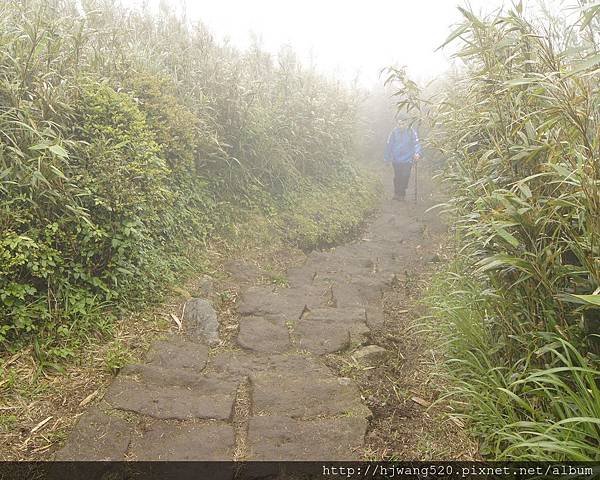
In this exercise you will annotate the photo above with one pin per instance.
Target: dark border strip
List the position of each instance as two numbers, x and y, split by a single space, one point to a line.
296 470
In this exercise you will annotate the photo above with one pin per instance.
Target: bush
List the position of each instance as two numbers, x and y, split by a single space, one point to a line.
520 129
128 141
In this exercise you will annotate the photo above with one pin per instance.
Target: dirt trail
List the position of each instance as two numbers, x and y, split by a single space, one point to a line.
270 391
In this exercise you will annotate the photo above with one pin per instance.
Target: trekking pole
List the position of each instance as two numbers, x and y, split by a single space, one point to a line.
416 182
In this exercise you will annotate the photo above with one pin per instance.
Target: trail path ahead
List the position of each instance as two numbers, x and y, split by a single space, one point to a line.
269 395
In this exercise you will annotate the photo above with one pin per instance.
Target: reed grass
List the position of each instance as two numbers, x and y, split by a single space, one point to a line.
519 125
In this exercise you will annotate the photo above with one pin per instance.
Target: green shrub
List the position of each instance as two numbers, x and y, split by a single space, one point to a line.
128 140
520 129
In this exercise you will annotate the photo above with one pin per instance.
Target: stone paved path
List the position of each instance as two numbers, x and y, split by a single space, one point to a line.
271 397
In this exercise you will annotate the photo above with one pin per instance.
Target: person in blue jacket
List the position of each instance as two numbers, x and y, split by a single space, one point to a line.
402 149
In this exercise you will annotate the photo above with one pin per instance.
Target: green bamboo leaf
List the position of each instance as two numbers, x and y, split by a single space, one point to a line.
58 151
521 81
586 64
454 35
591 11
581 299
506 236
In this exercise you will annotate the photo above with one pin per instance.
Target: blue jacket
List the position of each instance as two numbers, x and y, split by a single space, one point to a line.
402 145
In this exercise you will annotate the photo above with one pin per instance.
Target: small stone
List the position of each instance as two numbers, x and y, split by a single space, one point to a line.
435 259
261 335
206 286
200 320
96 437
370 355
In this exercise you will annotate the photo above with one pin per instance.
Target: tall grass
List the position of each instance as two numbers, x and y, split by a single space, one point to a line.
127 139
520 306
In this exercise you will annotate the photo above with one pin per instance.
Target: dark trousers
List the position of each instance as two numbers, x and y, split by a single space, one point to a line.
401 177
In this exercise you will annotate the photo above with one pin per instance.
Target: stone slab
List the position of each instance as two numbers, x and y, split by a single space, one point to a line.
239 363
321 337
284 305
345 315
176 352
262 335
280 438
328 330
305 394
211 399
263 300
184 442
96 437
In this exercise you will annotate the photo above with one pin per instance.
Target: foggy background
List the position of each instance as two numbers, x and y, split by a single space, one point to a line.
351 40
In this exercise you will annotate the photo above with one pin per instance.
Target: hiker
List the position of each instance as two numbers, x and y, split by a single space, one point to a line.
402 149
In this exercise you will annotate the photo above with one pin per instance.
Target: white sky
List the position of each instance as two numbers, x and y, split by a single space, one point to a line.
342 37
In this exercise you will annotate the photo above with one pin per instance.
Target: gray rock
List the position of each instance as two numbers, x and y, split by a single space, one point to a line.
261 335
243 272
206 286
96 437
358 333
329 330
242 363
280 438
375 316
209 398
370 355
200 320
345 315
184 442
265 302
176 352
284 305
322 337
304 392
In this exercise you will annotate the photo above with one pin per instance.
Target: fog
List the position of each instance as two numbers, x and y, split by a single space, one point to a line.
352 40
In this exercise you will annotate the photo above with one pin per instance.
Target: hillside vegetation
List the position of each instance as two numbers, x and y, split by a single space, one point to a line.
129 140
520 305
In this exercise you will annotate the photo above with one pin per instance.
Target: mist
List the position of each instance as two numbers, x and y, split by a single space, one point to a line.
351 41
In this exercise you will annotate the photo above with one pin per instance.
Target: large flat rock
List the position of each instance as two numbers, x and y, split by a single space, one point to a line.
322 337
346 315
240 363
282 438
284 305
329 330
163 441
262 335
208 398
305 394
96 437
176 352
